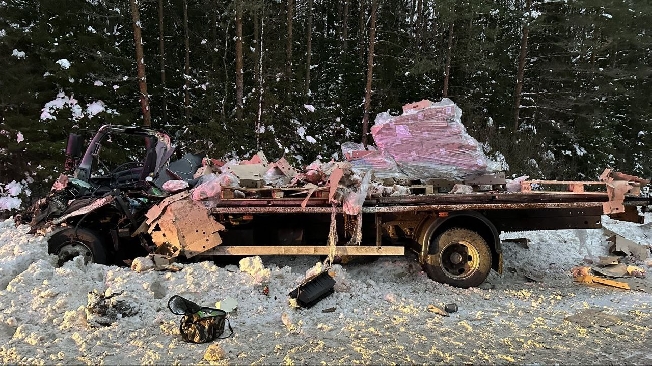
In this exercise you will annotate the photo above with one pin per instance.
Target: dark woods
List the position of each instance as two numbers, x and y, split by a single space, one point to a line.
560 88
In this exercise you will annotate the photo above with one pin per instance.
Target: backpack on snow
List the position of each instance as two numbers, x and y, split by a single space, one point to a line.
199 324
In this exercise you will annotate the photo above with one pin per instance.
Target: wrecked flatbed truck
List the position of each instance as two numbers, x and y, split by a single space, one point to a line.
106 216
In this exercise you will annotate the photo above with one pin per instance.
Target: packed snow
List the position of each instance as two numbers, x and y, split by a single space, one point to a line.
379 313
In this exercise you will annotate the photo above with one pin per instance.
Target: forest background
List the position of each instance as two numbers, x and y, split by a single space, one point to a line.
560 89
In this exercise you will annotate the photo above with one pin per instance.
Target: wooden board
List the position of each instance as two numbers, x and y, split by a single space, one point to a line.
304 250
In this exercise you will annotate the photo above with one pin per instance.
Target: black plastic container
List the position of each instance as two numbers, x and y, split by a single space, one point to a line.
313 290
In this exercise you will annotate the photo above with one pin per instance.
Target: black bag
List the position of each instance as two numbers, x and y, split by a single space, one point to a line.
199 324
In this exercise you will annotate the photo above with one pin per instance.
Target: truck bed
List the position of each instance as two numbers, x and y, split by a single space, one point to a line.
447 202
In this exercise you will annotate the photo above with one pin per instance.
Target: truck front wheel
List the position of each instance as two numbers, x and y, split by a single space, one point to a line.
72 242
458 257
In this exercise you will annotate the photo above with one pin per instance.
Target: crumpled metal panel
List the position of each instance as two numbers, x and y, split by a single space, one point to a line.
618 185
187 225
86 209
156 211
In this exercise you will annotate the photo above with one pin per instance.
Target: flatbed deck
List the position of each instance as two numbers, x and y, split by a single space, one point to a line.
472 201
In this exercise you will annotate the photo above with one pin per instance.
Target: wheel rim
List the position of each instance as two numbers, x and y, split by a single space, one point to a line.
73 249
460 260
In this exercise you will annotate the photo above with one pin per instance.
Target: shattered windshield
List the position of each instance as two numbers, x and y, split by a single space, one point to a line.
119 152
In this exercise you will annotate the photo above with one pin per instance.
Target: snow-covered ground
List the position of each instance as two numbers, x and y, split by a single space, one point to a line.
380 311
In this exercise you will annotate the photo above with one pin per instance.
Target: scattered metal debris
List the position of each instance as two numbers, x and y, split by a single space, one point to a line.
105 309
624 246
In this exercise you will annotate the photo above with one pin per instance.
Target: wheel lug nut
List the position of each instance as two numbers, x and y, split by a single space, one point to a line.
456 258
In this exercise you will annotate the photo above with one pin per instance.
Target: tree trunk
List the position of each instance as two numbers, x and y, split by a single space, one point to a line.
361 28
345 25
370 72
239 64
448 60
161 48
420 23
411 19
140 64
261 80
288 46
186 69
226 63
338 26
256 44
214 60
308 51
521 67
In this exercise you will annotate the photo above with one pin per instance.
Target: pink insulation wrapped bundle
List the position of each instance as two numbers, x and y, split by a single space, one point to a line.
379 162
429 141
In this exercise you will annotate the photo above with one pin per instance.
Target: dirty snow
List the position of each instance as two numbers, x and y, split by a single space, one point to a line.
378 314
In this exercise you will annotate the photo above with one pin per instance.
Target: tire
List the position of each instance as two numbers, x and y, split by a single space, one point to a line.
71 242
458 257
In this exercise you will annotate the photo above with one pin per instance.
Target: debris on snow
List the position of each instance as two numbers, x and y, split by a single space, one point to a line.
437 310
229 304
214 353
628 247
106 308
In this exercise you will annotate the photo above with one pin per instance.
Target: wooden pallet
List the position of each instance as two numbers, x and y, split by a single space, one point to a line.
422 189
572 186
274 193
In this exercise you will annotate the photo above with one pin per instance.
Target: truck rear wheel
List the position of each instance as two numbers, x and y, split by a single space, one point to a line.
458 257
70 243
